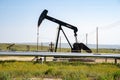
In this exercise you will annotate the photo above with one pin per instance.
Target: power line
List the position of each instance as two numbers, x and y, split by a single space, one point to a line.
113 25
109 26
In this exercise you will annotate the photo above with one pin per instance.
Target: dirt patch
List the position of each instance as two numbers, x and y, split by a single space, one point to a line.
20 58
108 60
38 79
17 58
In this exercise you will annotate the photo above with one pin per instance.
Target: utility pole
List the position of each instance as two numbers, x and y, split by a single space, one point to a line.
37 38
97 40
86 39
41 46
60 44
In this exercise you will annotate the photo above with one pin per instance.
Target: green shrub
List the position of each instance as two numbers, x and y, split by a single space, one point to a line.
116 75
4 76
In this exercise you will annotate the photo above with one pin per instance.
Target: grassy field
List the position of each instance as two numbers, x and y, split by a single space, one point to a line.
19 47
23 47
10 70
16 70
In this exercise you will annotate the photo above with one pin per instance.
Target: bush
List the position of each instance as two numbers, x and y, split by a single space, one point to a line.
4 76
116 75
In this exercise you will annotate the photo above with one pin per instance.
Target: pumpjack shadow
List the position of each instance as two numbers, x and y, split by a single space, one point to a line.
77 47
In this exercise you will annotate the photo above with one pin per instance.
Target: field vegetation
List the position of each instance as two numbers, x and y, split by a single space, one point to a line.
14 70
23 47
18 70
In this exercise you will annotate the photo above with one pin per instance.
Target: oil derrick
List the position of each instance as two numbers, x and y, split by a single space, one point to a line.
76 46
10 46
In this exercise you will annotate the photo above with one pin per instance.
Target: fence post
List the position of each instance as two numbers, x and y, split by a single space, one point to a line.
115 60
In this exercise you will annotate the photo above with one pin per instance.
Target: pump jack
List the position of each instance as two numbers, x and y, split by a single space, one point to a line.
76 46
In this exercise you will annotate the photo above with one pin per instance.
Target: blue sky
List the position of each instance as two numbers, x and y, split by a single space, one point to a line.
18 20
